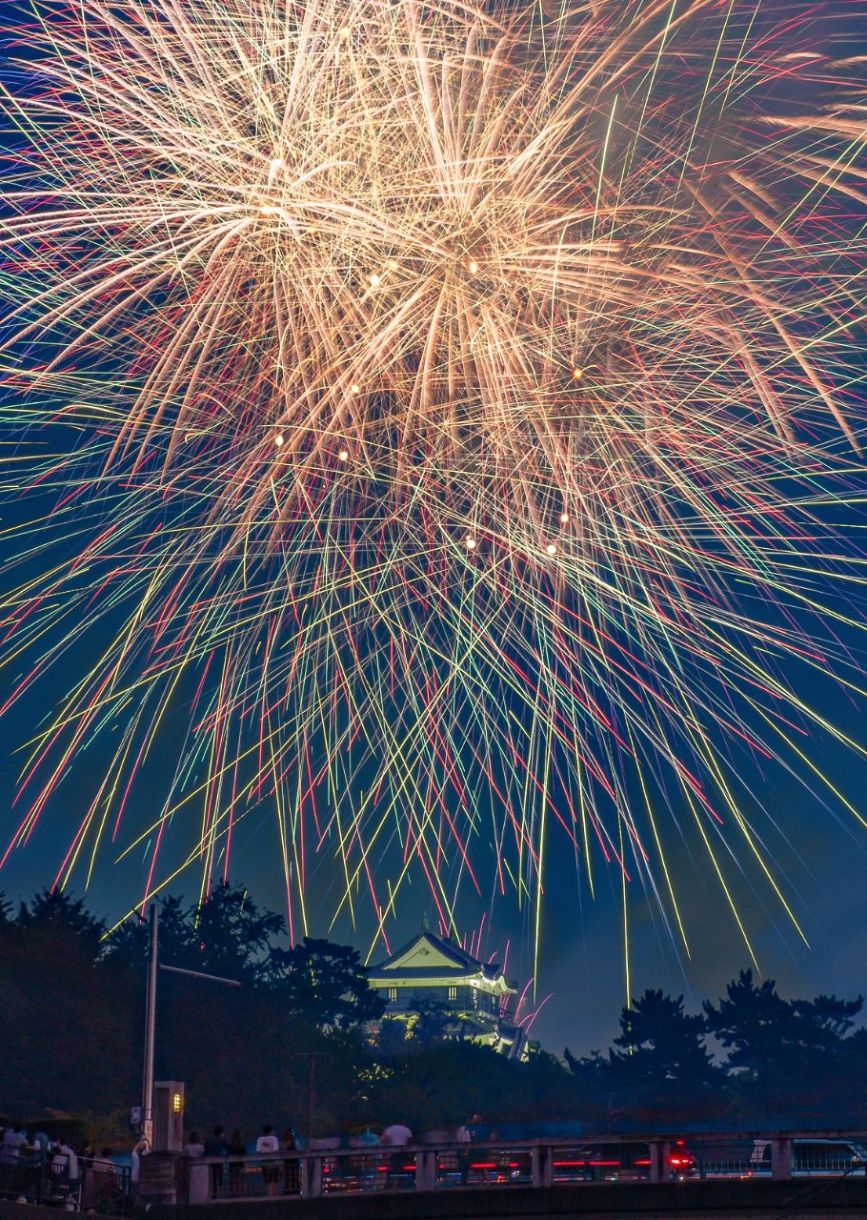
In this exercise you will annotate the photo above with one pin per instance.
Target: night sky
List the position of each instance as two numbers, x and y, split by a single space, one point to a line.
820 854
824 858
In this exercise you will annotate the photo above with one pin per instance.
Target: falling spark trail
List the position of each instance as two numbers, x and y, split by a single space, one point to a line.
437 412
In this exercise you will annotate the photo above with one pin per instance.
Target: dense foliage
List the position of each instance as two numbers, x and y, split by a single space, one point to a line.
289 1046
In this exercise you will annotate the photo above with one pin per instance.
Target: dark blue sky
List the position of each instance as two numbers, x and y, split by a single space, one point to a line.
820 854
582 967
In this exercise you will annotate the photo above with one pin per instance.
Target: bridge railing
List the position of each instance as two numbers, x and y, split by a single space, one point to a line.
99 1185
530 1163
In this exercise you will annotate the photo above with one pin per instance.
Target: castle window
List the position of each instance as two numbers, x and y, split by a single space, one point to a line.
392 995
453 993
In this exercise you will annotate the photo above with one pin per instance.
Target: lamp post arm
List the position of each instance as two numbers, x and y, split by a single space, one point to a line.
200 974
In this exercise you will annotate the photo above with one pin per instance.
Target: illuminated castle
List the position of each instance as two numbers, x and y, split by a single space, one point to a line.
431 978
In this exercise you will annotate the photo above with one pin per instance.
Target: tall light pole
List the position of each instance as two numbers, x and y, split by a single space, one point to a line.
151 1019
150 1028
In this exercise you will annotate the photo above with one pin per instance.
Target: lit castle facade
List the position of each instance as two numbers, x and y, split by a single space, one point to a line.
471 999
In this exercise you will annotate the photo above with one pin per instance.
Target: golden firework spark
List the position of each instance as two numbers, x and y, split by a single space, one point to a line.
457 390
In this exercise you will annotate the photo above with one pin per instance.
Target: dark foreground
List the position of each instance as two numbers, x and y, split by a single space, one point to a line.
839 1199
765 1200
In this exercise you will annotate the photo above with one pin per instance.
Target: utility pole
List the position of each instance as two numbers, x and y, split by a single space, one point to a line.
311 1057
150 1028
311 1093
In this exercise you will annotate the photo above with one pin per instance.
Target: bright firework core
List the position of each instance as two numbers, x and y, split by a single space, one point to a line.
445 398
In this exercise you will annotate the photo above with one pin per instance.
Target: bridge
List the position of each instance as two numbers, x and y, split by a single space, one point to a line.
742 1173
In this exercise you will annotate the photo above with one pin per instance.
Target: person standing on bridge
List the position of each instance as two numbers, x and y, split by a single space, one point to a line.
396 1135
268 1142
215 1143
464 1137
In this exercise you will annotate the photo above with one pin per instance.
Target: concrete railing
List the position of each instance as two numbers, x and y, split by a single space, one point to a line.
535 1163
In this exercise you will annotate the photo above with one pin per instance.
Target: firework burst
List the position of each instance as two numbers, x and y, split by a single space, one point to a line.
439 403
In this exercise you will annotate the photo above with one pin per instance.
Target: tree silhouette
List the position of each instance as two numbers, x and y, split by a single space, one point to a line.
661 1059
66 1008
130 942
324 983
827 1019
226 934
392 1037
752 1022
432 1023
783 1054
71 1024
54 914
232 936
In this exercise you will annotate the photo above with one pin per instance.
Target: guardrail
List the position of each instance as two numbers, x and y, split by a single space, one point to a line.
101 1186
325 1171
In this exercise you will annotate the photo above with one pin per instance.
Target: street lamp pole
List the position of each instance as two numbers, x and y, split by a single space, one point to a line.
154 967
150 1028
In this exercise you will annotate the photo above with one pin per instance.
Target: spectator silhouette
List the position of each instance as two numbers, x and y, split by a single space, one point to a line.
266 1143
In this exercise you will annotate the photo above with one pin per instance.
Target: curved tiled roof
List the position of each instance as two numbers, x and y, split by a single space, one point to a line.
458 961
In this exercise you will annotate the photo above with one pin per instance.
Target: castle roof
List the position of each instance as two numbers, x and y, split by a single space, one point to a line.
427 955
